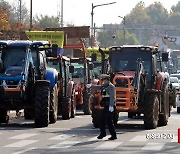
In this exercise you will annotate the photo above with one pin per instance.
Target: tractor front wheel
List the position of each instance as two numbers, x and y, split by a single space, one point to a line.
42 103
151 111
66 109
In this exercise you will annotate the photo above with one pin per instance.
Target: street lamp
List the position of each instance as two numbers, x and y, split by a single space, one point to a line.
124 23
92 13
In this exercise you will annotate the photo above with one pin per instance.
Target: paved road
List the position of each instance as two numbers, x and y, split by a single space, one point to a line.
78 136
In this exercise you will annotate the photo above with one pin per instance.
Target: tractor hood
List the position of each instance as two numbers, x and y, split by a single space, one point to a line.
13 73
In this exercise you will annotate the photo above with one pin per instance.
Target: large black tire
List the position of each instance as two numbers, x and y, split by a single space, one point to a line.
164 115
95 114
42 104
66 109
178 109
4 117
28 113
73 105
151 111
53 105
87 103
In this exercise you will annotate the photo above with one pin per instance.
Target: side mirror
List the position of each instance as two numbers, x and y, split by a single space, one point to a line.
71 69
54 50
91 66
165 57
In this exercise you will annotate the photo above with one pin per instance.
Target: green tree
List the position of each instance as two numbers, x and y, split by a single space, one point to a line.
138 18
110 38
174 18
46 21
15 13
176 8
157 13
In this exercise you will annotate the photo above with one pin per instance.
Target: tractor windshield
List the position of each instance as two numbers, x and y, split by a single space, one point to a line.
13 57
126 60
78 70
97 69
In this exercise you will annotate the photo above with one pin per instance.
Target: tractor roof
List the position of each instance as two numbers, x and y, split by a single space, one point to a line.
24 43
143 48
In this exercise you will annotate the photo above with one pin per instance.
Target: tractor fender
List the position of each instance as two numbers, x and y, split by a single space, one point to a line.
70 88
160 79
52 76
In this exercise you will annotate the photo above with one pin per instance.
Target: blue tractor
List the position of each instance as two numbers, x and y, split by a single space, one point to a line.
27 83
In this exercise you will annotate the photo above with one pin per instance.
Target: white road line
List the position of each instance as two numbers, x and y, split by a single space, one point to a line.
175 139
108 145
23 136
62 137
65 144
95 139
26 150
139 138
21 143
153 146
161 130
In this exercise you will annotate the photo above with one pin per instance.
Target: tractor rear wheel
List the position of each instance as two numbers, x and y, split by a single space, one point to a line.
42 103
4 117
53 105
164 116
151 111
66 109
87 103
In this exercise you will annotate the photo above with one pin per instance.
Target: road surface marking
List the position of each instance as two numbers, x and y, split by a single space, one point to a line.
109 145
139 138
84 116
153 146
161 130
62 137
21 143
26 150
95 139
175 139
23 136
65 144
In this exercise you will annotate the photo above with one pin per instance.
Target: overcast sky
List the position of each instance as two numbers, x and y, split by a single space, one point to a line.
78 11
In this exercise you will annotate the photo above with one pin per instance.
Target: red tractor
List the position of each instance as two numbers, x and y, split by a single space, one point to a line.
141 86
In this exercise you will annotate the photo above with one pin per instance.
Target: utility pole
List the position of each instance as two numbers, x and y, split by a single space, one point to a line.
30 27
20 10
62 13
92 14
124 28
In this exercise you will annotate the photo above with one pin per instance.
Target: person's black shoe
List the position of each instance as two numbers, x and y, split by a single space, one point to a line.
112 138
101 136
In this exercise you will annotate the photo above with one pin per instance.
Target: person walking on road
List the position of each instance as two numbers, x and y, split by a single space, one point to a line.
108 102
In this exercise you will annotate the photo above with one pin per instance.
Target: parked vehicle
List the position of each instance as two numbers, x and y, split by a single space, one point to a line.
66 86
141 86
26 82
